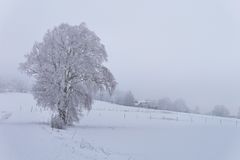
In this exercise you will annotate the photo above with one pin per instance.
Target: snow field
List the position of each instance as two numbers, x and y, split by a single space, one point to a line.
114 132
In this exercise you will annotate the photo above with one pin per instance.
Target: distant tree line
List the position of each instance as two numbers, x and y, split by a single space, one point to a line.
178 105
14 85
220 110
118 97
128 99
125 98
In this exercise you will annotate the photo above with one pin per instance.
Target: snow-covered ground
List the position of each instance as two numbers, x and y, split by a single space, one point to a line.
113 132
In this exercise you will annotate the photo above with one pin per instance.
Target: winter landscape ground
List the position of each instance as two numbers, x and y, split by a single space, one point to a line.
114 132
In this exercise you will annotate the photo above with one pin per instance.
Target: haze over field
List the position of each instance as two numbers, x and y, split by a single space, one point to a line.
178 49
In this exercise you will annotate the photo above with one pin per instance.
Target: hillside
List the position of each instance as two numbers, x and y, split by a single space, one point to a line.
114 132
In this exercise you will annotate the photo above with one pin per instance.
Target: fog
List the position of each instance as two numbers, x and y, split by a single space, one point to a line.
178 49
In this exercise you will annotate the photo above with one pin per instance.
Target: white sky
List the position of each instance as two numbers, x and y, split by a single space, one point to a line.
181 49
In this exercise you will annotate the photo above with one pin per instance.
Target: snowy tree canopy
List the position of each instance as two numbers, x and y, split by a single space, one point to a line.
68 68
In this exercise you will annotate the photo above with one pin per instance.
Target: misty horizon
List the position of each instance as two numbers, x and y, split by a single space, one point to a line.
156 49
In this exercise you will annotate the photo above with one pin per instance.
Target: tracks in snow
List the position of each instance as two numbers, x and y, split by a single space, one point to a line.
5 115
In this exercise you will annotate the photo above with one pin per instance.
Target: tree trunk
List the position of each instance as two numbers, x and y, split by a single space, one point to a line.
63 115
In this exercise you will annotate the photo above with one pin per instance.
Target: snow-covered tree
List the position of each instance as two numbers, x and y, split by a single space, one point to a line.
68 68
180 106
220 110
118 97
124 98
129 99
165 104
196 110
104 96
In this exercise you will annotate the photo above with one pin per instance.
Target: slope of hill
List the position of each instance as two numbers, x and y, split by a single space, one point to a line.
114 132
